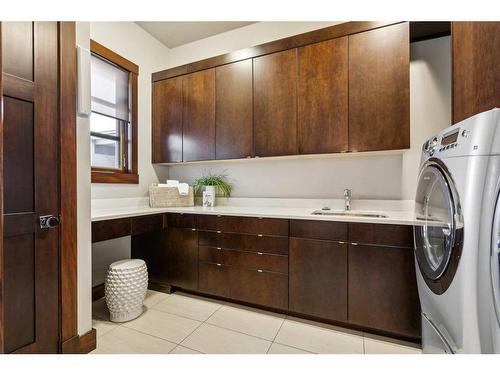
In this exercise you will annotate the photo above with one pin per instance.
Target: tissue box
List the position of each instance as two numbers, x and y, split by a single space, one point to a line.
169 197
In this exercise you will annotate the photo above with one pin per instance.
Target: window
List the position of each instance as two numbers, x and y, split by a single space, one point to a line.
113 121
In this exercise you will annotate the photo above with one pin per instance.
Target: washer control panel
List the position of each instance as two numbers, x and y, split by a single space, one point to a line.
447 141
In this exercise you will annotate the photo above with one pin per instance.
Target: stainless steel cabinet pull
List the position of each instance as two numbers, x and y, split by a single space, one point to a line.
259 253
218 264
219 248
219 232
260 271
259 235
354 243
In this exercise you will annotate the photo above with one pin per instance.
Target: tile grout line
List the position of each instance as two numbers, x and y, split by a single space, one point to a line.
203 322
276 335
233 330
150 335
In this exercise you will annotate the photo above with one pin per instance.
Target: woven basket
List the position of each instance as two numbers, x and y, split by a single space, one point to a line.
169 197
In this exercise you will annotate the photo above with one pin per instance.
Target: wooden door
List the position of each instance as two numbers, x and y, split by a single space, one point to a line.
318 278
476 68
379 89
30 163
275 104
167 110
234 110
182 257
198 137
382 289
322 113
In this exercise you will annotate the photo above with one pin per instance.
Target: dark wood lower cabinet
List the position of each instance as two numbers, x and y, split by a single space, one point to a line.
318 278
182 259
214 279
382 289
153 249
259 287
359 275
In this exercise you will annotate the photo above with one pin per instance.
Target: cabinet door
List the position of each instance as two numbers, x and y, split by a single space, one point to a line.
167 110
199 116
318 278
275 103
182 259
383 289
152 247
379 86
234 110
214 279
476 68
322 120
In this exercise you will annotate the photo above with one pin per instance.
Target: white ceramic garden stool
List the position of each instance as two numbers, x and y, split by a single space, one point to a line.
125 289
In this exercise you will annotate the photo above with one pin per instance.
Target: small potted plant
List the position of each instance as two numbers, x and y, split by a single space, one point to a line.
209 184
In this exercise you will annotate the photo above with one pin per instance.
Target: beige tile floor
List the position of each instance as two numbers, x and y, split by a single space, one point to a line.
184 324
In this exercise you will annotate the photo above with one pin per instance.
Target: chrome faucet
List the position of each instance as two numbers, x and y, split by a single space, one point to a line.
347 199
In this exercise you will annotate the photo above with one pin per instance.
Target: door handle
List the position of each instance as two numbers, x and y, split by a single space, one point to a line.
49 221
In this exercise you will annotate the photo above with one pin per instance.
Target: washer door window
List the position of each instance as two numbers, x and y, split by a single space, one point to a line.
437 207
495 259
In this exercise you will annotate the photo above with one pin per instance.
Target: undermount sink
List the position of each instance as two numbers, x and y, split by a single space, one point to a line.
348 213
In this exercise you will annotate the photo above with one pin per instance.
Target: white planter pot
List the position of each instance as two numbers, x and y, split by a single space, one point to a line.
209 196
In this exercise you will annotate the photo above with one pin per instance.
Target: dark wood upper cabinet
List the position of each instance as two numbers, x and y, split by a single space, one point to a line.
318 278
379 85
476 68
166 132
382 289
234 110
198 136
275 103
322 117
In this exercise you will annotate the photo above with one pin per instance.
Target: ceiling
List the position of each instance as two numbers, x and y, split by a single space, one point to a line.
173 34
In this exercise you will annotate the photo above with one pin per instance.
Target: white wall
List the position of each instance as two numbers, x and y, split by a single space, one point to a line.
84 254
430 102
369 177
243 37
135 44
106 252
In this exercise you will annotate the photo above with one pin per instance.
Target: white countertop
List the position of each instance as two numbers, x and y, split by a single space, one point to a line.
397 212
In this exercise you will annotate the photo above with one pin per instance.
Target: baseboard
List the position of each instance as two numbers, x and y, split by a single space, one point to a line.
97 292
159 286
82 344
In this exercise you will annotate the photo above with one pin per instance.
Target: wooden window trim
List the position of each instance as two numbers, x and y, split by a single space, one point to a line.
100 175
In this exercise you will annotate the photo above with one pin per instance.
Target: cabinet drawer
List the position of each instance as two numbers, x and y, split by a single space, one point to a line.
145 224
319 230
260 243
252 225
381 234
109 229
214 279
244 259
181 221
262 288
